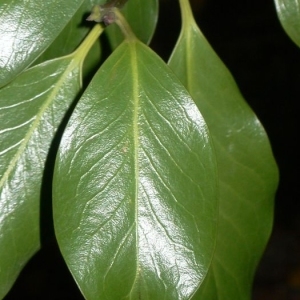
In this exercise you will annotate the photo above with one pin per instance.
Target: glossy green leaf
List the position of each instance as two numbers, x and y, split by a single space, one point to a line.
289 14
142 17
31 109
246 167
72 34
135 206
27 28
71 37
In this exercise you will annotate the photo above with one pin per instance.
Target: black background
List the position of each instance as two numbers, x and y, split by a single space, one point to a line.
249 39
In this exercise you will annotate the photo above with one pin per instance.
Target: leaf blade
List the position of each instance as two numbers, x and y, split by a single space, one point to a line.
71 36
248 174
26 31
31 110
289 15
131 220
39 98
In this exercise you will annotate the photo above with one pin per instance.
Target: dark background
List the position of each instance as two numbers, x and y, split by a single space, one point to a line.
249 39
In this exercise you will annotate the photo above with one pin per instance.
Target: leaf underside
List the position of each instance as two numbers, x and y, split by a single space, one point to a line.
135 205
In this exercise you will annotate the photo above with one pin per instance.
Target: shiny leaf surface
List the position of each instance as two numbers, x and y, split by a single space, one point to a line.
31 109
135 205
71 37
27 28
289 14
142 17
72 34
246 167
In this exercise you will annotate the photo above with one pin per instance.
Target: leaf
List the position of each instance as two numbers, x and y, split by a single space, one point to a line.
27 28
246 167
71 37
31 109
289 14
135 202
142 17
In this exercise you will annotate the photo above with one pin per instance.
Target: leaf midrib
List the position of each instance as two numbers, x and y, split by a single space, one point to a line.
135 90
